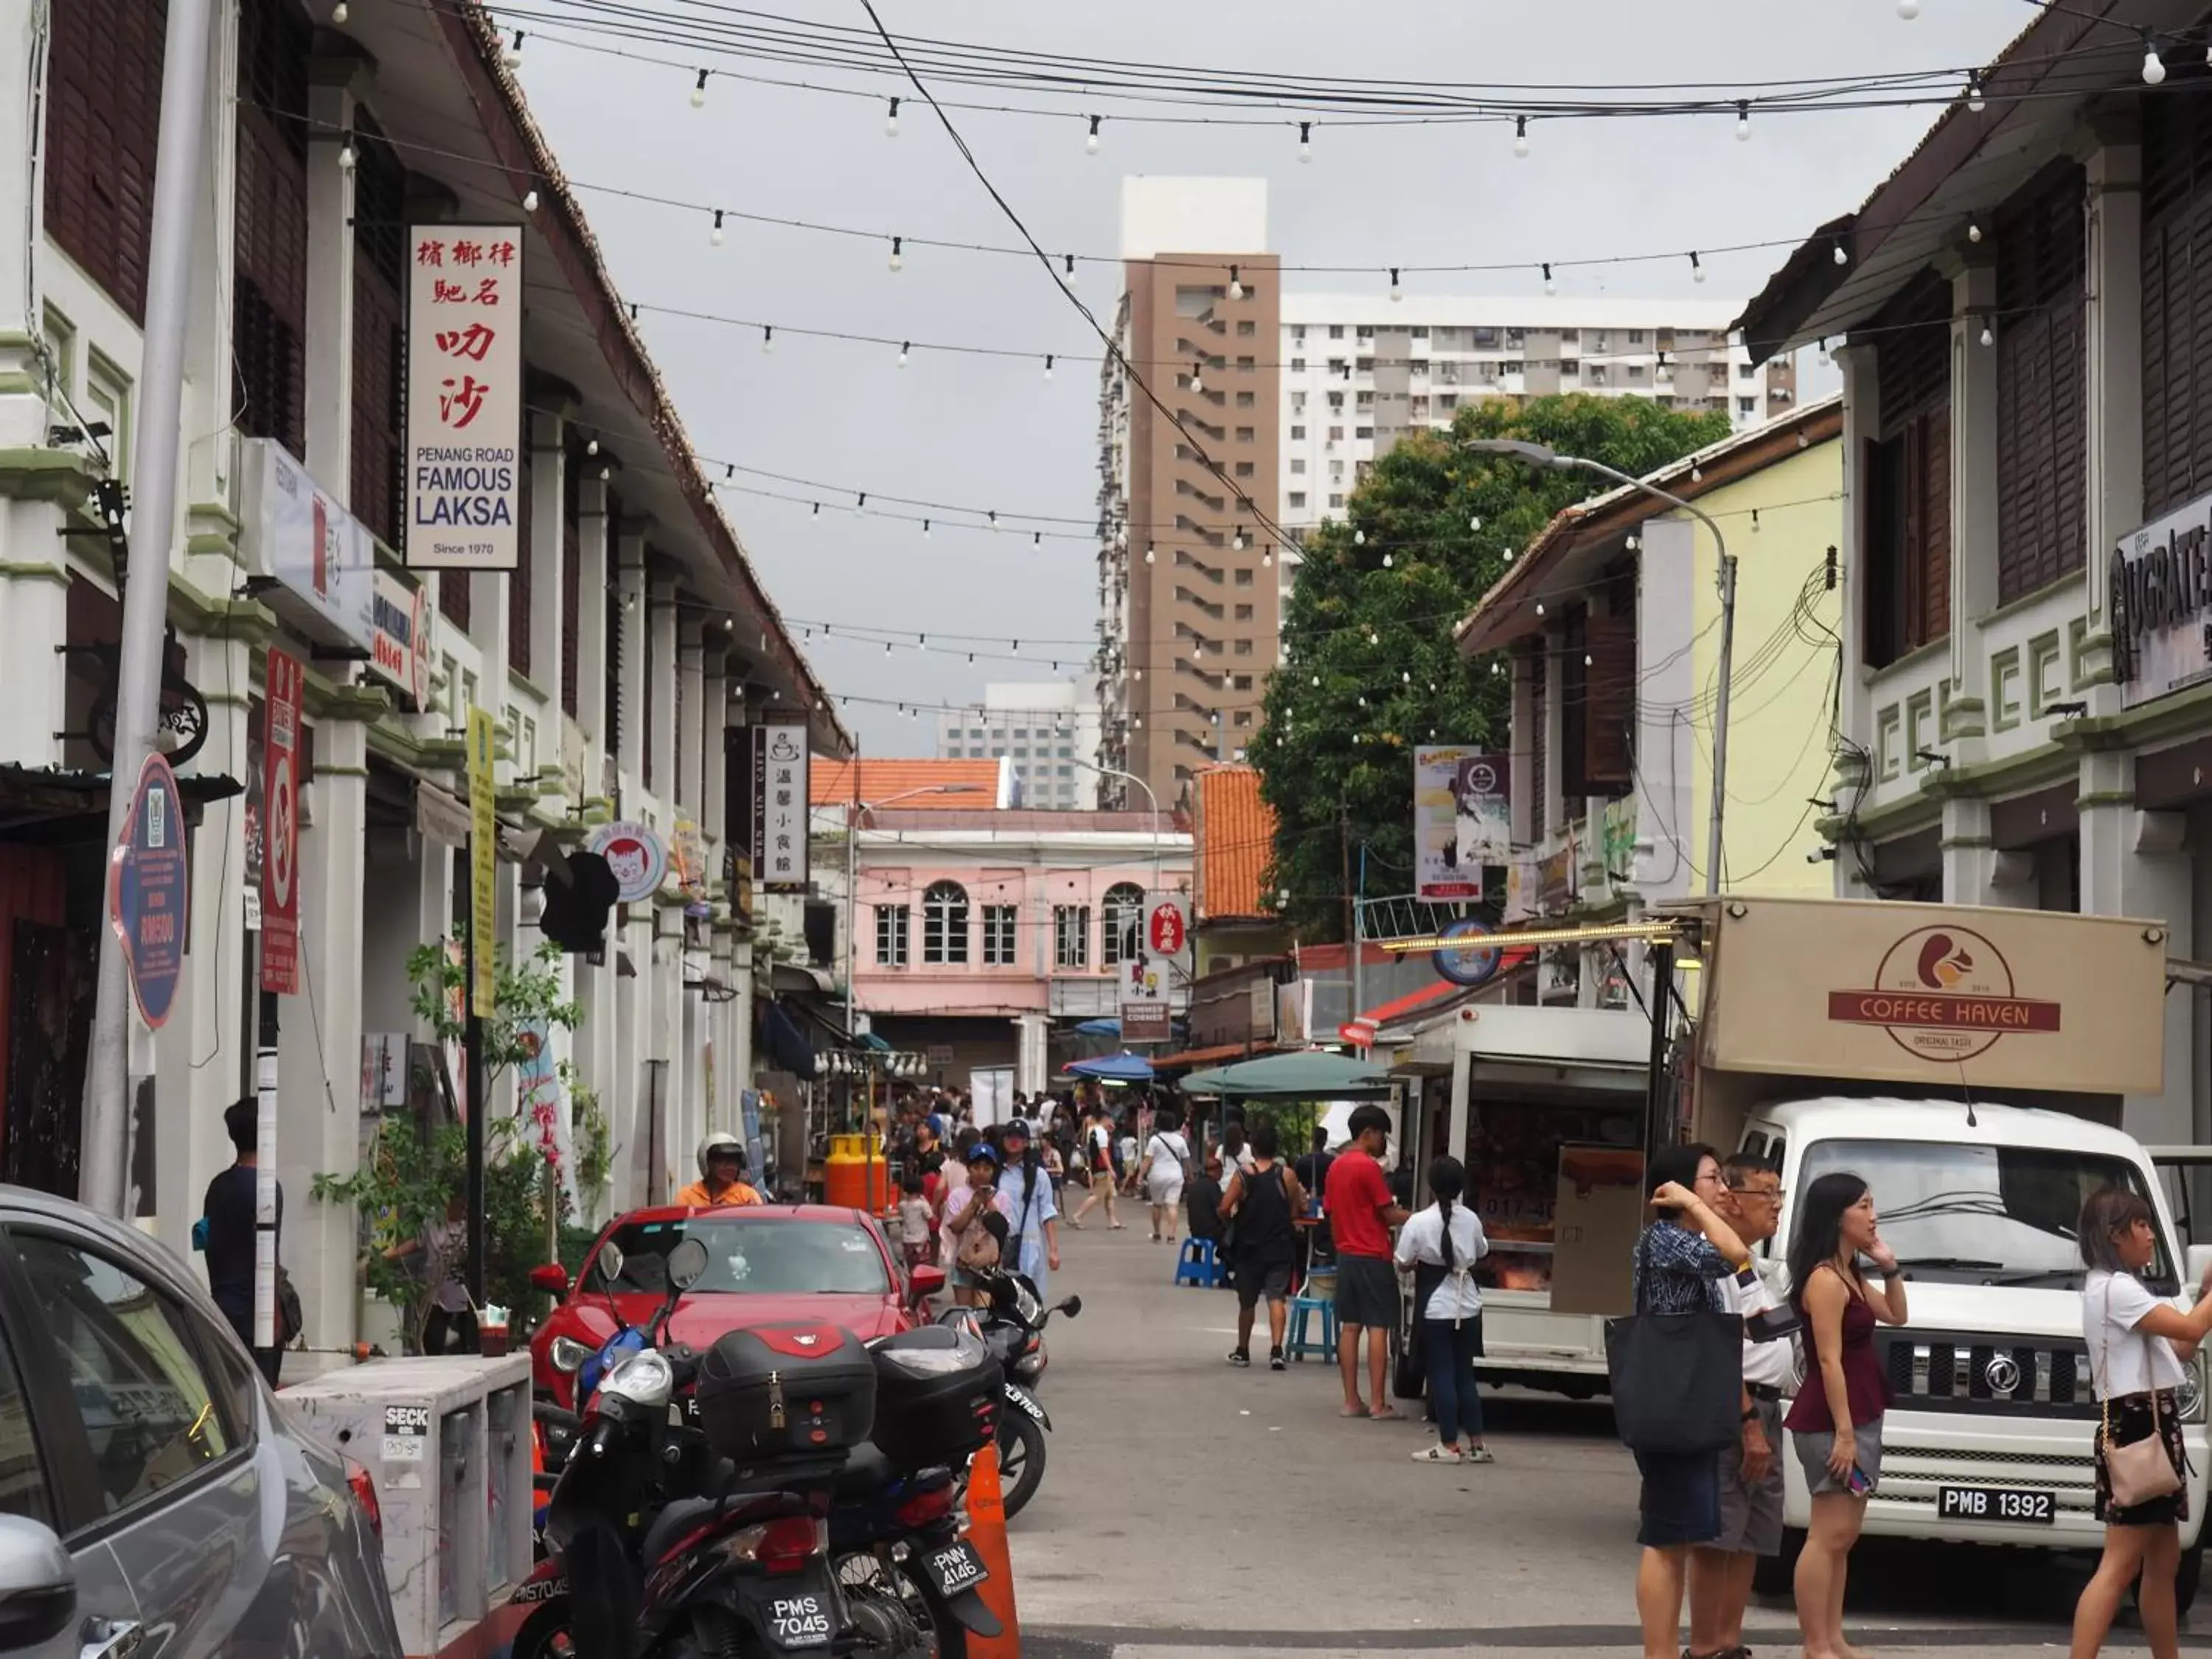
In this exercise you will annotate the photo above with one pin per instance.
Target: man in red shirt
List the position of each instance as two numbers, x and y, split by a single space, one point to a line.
1361 1212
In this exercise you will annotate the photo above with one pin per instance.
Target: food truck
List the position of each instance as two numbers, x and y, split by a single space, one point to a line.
1970 1064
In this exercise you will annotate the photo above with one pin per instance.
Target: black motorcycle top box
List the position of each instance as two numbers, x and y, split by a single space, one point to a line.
791 1390
938 1392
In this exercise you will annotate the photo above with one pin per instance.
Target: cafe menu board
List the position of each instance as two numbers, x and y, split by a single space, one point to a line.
1515 1155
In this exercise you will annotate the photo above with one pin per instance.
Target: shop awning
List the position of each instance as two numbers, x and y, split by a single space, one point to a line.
1313 1074
1219 1054
788 1050
60 805
1124 1067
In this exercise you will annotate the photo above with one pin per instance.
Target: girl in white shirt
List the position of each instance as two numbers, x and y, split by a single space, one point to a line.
1442 1244
2138 1348
1167 1155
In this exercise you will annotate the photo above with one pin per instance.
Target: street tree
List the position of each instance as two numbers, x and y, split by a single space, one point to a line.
1370 668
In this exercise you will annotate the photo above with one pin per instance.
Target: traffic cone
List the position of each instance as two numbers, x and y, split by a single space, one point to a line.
987 1531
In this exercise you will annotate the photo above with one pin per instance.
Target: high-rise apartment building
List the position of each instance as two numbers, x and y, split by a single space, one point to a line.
1188 603
1361 370
1046 730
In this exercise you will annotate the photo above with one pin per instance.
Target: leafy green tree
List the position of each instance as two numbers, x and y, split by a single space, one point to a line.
1370 669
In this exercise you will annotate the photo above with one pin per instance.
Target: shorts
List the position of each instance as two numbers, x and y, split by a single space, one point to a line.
1681 1503
1815 1445
1257 1279
1165 1194
1366 1292
1751 1516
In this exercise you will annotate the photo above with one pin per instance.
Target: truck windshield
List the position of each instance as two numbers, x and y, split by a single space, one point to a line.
1983 1215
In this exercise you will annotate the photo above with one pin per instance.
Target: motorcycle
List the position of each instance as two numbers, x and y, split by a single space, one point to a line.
1012 1324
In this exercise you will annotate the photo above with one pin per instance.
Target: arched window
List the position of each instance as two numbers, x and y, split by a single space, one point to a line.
945 923
1122 915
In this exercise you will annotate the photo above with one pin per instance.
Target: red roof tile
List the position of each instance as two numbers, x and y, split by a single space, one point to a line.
1235 841
830 783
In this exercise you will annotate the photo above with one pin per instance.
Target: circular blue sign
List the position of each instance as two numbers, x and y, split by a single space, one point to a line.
1467 963
147 890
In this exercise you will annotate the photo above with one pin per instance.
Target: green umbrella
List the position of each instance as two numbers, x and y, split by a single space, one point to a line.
1311 1075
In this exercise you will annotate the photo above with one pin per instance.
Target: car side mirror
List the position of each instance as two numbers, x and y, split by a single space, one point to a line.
38 1584
927 1281
551 1277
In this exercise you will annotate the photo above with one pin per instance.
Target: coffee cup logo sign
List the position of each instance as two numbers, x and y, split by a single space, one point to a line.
1944 994
635 855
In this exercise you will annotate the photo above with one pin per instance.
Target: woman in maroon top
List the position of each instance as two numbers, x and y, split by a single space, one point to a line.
1835 1423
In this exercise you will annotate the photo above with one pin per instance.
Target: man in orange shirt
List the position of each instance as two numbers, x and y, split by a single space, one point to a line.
722 1175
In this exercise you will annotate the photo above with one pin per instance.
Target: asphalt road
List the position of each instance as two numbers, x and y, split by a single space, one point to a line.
1189 1508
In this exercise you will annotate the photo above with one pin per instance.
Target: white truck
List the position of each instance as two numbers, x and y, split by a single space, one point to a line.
1969 1063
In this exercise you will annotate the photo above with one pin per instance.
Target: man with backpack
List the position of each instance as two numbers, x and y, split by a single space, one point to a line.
1261 1203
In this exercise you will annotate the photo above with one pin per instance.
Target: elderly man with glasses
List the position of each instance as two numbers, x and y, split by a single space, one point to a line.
1750 1472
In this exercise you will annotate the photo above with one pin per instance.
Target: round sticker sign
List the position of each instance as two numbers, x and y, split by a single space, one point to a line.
147 890
636 855
1465 960
1163 930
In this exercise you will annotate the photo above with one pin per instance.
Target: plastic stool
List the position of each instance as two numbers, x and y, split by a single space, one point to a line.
1197 1265
1299 1344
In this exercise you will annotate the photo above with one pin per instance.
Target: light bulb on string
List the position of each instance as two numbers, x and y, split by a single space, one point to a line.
1839 256
1359 538
1975 101
591 446
1521 136
699 91
768 336
1305 141
905 346
1385 560
2154 69
1237 541
1550 287
1397 289
1754 521
512 56
1973 231
925 529
1197 377
1235 283
530 201
1068 277
345 153
859 504
1589 661
898 253
1267 558
1696 268
1540 607
1989 336
993 517
1908 10
891 120
1475 523
1634 542
1743 121
1090 142
715 237
1048 365
1150 556
340 13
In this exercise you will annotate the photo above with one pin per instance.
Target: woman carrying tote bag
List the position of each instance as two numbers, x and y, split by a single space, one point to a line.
1679 1260
2138 1347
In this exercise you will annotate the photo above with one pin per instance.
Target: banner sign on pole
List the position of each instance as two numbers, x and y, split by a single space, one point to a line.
147 891
464 397
483 858
1484 789
1439 872
280 820
1147 992
780 761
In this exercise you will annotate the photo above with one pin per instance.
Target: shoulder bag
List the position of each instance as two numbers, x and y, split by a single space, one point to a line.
2143 1470
1677 1379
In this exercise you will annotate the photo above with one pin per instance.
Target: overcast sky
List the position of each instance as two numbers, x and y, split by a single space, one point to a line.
993 433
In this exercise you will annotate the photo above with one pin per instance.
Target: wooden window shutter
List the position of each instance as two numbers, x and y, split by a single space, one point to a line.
379 335
103 107
270 243
518 580
2042 433
2177 295
1610 686
453 590
1932 544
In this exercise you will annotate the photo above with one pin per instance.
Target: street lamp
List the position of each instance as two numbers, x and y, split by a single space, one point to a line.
859 808
1114 772
1540 455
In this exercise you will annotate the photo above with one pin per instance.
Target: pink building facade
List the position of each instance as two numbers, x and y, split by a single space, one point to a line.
983 934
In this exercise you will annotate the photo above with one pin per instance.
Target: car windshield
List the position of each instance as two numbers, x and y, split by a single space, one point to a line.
1983 1215
754 1256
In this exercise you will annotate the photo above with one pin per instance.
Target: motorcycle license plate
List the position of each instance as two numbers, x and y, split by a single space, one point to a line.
955 1568
2021 1503
794 1616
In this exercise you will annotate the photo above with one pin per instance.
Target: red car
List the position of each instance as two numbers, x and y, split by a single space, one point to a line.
765 1263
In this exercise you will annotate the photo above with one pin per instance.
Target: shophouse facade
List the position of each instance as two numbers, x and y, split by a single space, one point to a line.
621 662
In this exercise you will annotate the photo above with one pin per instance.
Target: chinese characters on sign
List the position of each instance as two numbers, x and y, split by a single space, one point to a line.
1148 991
779 808
464 396
280 819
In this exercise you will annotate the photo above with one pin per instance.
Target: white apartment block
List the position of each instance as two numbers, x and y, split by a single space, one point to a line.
1047 731
1359 370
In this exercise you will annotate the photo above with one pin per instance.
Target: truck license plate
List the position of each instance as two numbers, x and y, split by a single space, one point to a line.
2021 1503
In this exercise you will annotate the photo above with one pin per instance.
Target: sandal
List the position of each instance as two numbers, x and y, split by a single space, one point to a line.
1438 1454
1351 1411
1387 1414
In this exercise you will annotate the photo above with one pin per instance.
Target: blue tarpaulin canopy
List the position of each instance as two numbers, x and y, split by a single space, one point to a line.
1106 1028
1124 1067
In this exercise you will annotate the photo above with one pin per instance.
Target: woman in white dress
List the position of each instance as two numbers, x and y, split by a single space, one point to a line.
1161 1172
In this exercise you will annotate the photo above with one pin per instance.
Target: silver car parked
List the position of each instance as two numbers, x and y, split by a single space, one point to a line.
155 1500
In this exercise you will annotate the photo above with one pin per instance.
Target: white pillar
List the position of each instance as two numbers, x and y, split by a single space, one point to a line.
593 577
660 685
1974 871
33 620
2114 324
713 742
210 446
629 719
547 554
24 27
330 281
689 721
2133 863
1973 470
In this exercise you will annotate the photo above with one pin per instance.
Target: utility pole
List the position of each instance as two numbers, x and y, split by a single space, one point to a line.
106 1131
1721 710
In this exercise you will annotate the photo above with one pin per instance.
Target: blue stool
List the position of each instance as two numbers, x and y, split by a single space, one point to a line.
1299 1344
1197 1265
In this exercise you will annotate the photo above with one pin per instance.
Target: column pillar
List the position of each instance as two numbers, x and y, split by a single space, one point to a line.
2134 863
23 203
34 623
1974 871
1554 806
593 577
713 743
1973 469
547 555
690 721
2112 321
629 719
330 104
660 685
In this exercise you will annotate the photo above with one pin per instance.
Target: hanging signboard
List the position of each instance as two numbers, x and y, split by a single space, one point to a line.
399 648
484 857
322 558
1438 872
779 837
280 819
1484 812
464 397
147 891
635 853
1147 992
